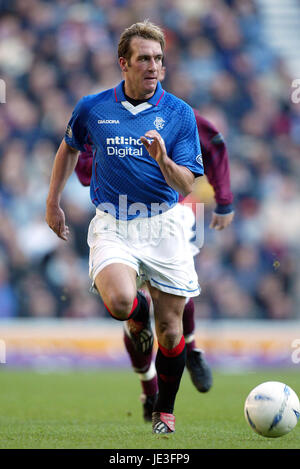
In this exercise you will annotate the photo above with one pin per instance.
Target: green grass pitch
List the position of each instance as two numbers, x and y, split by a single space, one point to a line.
101 410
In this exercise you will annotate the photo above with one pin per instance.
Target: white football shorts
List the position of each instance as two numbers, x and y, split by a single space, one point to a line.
158 248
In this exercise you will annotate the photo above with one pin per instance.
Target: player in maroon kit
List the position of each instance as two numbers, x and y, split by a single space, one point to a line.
216 168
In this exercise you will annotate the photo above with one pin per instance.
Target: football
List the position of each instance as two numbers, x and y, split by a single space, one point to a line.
272 409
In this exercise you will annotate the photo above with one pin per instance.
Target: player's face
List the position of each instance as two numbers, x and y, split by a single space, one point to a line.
143 69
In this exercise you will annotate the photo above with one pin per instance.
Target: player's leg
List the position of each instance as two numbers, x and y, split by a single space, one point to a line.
199 369
116 284
143 365
197 366
170 358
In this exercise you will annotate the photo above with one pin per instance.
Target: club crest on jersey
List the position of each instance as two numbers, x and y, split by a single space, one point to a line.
159 123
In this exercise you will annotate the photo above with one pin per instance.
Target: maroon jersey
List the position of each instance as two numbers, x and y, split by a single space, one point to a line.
215 162
84 166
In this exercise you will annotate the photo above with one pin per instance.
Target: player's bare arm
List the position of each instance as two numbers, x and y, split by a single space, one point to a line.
178 177
64 164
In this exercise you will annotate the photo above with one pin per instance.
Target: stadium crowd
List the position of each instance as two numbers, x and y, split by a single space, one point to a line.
54 52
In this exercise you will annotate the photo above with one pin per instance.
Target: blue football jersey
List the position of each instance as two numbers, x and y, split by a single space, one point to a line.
125 178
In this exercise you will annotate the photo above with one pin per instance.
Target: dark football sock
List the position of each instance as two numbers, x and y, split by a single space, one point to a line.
139 311
140 362
143 366
169 367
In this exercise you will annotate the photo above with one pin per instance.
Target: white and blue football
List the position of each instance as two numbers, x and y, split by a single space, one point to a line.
272 409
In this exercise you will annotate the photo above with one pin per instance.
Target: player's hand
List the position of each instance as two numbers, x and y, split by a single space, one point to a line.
55 218
219 222
156 148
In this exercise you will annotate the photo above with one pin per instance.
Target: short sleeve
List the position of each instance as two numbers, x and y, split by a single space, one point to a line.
187 149
76 134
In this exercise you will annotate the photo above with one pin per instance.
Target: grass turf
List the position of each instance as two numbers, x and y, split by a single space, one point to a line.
101 410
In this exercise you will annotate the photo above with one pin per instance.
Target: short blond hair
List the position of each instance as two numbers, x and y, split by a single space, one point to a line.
146 30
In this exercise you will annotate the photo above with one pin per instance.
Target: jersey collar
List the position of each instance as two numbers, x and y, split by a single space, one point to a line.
154 100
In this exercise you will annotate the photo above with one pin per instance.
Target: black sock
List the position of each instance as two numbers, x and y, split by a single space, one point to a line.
141 311
169 366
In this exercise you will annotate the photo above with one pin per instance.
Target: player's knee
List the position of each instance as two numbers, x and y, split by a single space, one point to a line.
120 306
169 334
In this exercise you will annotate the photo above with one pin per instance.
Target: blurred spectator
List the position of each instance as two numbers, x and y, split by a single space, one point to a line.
52 53
8 301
